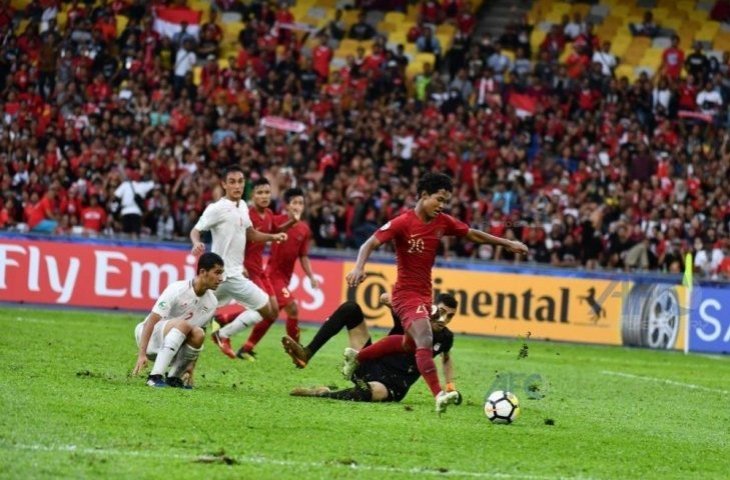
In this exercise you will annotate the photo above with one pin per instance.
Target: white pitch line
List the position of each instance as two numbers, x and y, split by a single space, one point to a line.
667 381
273 461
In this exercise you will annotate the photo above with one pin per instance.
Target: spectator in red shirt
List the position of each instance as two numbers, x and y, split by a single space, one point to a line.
42 215
93 216
321 57
672 59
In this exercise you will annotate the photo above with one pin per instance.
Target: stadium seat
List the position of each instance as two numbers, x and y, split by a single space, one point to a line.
231 31
626 71
197 75
396 18
19 4
398 36
327 4
121 23
350 17
536 38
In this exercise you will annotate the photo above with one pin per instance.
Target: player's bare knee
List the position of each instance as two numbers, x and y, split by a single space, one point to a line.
378 391
292 310
269 311
196 337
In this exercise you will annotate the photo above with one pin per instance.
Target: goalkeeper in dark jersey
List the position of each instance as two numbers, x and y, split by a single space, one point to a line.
386 379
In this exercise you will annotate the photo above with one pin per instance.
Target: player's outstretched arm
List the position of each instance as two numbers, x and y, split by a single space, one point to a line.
307 267
144 341
514 246
198 246
253 235
447 366
357 275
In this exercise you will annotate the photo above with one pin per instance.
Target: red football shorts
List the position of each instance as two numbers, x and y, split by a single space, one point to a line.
263 282
281 290
410 308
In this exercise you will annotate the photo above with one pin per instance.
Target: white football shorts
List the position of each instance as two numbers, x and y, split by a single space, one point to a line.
243 291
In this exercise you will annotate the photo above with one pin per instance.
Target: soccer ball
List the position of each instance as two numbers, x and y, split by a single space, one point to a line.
501 407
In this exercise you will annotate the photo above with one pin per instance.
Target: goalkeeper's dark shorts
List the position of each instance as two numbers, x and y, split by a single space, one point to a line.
396 384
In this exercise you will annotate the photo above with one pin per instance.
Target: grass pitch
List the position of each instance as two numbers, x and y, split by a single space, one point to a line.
69 410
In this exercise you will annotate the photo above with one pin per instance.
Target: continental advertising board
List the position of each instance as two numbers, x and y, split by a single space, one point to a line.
588 310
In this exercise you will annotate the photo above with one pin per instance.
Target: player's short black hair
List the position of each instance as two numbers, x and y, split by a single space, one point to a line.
447 299
209 261
232 169
260 181
293 192
432 182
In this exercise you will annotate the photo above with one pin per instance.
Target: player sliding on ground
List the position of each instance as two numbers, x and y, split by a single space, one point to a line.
173 331
387 379
417 234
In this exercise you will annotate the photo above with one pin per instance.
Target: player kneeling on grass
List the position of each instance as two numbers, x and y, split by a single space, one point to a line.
173 331
386 379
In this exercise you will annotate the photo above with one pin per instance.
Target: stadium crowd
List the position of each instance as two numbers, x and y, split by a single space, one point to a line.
589 170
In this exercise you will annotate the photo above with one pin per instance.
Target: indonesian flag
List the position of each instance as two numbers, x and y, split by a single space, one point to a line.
525 105
280 123
695 115
168 20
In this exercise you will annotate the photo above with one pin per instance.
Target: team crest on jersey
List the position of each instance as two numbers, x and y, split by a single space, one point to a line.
162 305
385 227
439 233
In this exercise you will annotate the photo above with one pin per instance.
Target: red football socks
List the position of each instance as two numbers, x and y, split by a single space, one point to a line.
424 361
385 346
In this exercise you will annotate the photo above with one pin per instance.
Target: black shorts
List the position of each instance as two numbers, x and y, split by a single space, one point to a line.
394 382
132 223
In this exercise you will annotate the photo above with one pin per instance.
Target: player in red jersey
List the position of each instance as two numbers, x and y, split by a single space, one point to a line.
281 267
233 318
417 235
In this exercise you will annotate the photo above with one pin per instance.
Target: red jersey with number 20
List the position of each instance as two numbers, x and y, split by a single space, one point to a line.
416 245
254 258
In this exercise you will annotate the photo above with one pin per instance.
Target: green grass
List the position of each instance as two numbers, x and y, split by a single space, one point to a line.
69 410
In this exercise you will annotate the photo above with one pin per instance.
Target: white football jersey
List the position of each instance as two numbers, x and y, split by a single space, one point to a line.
180 301
228 224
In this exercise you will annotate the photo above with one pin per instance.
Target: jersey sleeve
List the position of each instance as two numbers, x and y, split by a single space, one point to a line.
210 218
390 230
164 304
247 223
304 247
456 227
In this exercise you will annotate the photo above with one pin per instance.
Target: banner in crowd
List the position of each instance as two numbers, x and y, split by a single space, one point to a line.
126 277
709 320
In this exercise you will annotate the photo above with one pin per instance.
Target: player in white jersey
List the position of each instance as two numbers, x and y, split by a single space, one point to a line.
230 225
173 331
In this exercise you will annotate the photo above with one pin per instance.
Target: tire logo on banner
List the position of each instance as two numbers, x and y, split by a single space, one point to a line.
650 316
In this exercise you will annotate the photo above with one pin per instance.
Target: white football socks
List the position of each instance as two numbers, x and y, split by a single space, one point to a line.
171 344
241 322
183 359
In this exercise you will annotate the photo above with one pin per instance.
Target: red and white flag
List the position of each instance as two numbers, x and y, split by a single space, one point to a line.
281 123
525 105
168 20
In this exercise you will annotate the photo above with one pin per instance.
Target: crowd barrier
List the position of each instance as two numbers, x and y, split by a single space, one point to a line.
565 305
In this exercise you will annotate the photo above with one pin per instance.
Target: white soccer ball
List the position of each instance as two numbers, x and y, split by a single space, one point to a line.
502 407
